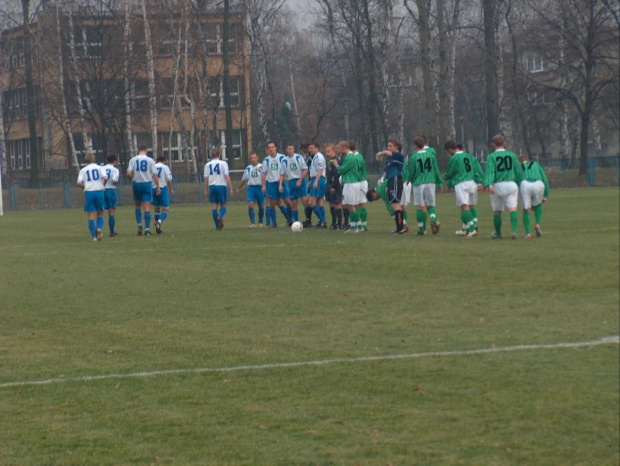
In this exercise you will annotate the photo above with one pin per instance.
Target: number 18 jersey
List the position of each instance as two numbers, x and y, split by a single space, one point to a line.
142 167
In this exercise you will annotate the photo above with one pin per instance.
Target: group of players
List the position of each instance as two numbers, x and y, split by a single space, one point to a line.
338 177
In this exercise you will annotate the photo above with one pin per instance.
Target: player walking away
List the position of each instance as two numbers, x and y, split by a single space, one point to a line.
273 182
110 194
296 172
534 189
361 208
394 162
92 178
352 171
333 190
142 171
502 176
253 177
217 185
317 184
426 178
284 201
161 201
464 174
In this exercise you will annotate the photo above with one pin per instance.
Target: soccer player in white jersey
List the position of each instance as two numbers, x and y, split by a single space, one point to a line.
253 177
296 171
142 171
92 179
161 201
110 194
273 181
217 185
317 184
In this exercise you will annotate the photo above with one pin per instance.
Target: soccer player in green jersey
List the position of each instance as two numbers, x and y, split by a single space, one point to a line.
426 178
534 189
502 176
355 185
464 174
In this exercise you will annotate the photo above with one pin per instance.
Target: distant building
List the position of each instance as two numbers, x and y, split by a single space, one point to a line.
96 83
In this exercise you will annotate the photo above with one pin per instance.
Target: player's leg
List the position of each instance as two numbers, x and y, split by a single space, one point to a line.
251 214
112 222
92 225
214 215
497 206
538 211
100 223
137 197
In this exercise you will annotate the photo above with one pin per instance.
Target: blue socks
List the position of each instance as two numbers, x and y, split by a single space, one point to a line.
295 215
261 214
268 215
92 229
111 223
274 221
252 215
147 220
99 223
222 212
214 214
138 216
320 212
162 217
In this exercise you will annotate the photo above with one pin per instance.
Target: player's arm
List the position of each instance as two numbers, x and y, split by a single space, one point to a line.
319 174
80 180
169 183
304 173
230 185
244 179
130 169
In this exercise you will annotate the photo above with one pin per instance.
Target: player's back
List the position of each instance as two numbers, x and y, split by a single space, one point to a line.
502 165
112 174
92 177
423 168
142 167
216 170
163 173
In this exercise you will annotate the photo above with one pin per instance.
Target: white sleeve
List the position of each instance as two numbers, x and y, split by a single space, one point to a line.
224 168
246 174
115 175
206 172
81 176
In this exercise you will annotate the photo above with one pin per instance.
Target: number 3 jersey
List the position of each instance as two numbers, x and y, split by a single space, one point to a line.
92 176
216 171
142 167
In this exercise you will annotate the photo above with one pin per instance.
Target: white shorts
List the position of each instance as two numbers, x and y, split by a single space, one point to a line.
424 194
505 197
405 199
466 193
532 193
354 193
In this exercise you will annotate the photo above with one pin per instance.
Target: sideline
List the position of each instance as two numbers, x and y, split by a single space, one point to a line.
608 340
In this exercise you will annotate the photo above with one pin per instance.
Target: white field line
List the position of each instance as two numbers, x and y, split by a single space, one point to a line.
609 340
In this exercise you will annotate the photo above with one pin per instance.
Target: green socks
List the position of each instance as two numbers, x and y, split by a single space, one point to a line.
421 217
527 222
432 211
538 213
474 216
514 221
404 217
497 223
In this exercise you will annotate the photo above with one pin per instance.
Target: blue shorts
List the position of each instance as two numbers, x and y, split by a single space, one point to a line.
143 192
296 192
255 194
109 196
319 193
218 194
273 190
94 201
163 200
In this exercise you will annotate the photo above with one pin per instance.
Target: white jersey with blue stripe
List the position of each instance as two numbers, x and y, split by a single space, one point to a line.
318 163
253 175
163 173
91 176
143 168
216 171
112 174
295 167
273 168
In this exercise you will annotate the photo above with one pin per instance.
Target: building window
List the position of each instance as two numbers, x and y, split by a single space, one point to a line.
237 146
88 41
216 89
538 97
167 43
19 153
213 38
144 139
535 63
14 54
17 102
174 149
96 147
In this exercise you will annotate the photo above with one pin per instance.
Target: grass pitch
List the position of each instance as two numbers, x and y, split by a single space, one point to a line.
199 298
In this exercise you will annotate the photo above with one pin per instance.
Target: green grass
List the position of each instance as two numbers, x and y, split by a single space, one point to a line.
199 298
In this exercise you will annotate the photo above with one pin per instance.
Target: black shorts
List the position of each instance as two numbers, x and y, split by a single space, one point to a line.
395 189
334 197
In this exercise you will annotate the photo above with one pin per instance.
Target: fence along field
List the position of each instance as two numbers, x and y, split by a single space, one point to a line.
604 171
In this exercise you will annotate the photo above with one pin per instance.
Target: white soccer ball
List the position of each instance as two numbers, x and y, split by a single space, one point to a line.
297 227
